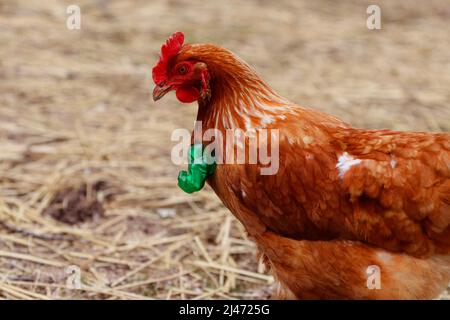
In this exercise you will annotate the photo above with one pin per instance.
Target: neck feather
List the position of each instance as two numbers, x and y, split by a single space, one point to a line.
239 97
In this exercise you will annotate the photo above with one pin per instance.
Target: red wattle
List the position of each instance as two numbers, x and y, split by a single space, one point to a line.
187 94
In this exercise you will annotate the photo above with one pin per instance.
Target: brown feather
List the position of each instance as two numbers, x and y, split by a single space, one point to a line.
319 224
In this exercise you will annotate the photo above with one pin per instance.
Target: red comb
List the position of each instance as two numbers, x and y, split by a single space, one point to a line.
168 50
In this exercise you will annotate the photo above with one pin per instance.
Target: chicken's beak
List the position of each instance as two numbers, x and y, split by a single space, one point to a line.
160 90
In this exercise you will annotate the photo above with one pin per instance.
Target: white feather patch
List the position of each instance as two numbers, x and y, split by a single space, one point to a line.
267 119
345 162
393 163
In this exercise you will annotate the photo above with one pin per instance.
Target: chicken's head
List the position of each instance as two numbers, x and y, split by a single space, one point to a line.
189 78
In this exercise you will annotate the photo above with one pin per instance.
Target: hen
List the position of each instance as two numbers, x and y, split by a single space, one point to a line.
349 214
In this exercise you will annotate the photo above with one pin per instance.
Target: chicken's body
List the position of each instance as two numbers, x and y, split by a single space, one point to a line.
343 200
321 230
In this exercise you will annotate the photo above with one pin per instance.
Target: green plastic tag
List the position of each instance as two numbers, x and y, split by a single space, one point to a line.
200 167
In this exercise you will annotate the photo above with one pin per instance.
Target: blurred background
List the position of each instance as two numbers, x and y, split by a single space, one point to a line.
89 207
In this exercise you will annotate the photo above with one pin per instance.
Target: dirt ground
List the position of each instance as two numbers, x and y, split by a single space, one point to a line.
87 187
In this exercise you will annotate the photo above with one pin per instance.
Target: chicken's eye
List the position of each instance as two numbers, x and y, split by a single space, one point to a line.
183 69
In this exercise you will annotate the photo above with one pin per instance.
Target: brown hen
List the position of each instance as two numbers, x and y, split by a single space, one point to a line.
344 204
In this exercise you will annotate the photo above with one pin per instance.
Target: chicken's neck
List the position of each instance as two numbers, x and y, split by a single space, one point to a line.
240 99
